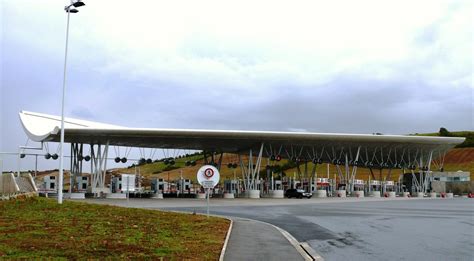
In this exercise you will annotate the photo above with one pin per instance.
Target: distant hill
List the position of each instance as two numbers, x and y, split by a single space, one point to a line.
443 132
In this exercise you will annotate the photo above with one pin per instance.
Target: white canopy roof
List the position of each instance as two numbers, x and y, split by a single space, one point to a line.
42 127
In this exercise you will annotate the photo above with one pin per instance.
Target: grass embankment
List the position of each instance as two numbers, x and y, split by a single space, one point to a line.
39 227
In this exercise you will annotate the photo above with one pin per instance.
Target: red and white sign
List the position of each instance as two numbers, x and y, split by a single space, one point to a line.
208 176
208 173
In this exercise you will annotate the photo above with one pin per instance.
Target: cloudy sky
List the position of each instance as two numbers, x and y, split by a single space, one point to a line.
323 66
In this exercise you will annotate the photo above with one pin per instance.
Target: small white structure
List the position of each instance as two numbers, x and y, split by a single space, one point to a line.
278 185
160 185
124 183
231 186
359 187
82 183
184 186
49 184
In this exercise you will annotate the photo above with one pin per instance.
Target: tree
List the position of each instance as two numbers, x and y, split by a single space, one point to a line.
444 132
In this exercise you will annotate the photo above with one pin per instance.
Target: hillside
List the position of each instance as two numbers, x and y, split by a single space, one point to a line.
469 135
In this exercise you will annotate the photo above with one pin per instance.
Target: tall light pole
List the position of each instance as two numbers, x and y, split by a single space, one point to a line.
69 9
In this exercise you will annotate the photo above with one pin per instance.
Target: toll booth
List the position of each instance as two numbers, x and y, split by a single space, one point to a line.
291 183
49 184
389 186
277 185
306 185
82 184
374 185
159 185
231 186
184 186
359 185
323 183
124 183
296 184
322 187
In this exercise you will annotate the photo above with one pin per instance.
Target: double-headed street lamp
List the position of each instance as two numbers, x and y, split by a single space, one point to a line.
69 9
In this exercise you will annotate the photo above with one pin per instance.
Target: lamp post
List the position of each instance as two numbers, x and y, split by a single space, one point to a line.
69 9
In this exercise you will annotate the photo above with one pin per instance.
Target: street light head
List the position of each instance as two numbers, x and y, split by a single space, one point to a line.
79 3
72 10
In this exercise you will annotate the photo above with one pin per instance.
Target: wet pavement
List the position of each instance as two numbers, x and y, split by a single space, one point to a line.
356 229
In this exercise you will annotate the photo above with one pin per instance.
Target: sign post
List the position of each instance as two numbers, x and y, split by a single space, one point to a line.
208 177
208 202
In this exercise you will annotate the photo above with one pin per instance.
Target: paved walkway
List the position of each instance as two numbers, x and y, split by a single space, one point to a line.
253 240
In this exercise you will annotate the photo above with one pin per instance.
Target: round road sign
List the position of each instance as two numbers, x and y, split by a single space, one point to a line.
208 176
208 173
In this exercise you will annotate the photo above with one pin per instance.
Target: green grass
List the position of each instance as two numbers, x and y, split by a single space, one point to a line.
39 227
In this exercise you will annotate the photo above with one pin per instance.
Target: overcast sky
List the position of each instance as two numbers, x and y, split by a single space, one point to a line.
323 66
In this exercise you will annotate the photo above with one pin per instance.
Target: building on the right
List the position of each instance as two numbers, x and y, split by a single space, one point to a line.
457 182
457 176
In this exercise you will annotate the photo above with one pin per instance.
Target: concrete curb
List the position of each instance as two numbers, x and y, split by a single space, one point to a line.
224 247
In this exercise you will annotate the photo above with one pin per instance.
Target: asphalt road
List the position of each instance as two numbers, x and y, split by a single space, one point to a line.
429 229
354 229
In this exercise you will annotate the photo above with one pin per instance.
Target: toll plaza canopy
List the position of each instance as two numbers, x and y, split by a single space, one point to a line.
327 147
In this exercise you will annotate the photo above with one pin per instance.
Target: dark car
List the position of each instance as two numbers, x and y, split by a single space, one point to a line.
297 193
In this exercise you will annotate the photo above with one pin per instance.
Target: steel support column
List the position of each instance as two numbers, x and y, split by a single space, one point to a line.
99 168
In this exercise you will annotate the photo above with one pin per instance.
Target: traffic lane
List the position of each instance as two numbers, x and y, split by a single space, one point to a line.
422 229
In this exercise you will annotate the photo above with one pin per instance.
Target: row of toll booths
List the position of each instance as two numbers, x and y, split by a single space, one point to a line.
128 183
178 188
49 184
329 185
267 186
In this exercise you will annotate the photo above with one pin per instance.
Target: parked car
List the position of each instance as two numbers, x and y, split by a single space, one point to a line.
297 193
